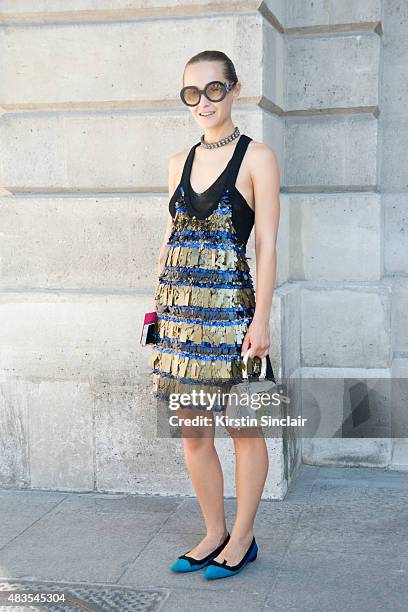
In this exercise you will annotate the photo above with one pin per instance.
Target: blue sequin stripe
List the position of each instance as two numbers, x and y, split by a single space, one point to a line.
197 284
205 270
162 349
205 347
220 211
209 311
231 279
197 234
209 245
204 322
188 271
207 381
213 309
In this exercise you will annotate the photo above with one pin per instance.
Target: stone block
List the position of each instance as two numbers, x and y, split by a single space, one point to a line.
73 335
332 71
301 13
322 153
347 326
347 452
111 71
399 309
96 242
395 233
352 252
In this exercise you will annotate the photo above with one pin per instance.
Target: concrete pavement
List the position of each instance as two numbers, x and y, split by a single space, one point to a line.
339 541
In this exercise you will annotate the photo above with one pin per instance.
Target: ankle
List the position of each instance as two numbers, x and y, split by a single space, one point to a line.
217 535
242 537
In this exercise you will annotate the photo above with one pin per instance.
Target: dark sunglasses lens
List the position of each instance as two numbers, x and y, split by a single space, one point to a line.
190 96
215 91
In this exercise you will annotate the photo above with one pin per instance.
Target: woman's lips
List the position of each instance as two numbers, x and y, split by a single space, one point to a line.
205 116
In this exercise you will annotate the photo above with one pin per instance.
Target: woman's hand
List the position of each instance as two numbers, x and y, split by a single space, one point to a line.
257 338
154 302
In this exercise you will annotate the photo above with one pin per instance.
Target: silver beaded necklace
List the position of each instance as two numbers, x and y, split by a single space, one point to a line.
223 141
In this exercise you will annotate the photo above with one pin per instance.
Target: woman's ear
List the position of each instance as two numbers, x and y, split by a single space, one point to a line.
237 89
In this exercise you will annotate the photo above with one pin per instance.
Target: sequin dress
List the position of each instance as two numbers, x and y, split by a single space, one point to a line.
205 298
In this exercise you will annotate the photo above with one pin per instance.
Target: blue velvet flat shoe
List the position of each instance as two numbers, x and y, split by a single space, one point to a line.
185 563
223 570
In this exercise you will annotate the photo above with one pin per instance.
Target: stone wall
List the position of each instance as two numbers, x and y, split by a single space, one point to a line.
89 117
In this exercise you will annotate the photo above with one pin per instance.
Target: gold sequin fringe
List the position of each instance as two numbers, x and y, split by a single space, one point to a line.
215 221
205 257
195 368
227 332
208 297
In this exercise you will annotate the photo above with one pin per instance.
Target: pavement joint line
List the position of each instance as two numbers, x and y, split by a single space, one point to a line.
32 524
130 563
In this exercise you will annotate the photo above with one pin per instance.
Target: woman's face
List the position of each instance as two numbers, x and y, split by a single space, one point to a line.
200 74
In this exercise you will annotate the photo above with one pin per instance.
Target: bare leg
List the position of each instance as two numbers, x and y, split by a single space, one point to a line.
205 472
252 464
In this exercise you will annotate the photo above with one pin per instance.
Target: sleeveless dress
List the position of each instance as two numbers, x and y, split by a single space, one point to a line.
205 298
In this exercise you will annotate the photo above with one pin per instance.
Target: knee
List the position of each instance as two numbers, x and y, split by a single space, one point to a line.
198 444
241 435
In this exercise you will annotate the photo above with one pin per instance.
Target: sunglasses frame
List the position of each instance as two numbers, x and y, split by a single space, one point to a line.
226 85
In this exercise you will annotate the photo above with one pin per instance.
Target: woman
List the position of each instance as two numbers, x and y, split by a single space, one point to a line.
207 314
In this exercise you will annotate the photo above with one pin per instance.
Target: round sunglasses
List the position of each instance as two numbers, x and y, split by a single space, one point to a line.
214 91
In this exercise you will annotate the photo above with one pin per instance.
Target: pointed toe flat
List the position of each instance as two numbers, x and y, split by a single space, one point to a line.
223 570
186 563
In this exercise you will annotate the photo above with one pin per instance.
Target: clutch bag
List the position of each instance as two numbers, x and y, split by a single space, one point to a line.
149 328
251 398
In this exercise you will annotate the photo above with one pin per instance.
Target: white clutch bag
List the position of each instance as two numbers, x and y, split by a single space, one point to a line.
250 399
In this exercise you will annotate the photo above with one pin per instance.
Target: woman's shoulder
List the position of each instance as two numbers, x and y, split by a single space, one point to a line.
180 157
176 164
260 150
260 156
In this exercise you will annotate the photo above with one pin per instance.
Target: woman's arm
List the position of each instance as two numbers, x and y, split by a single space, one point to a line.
162 252
266 181
172 175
